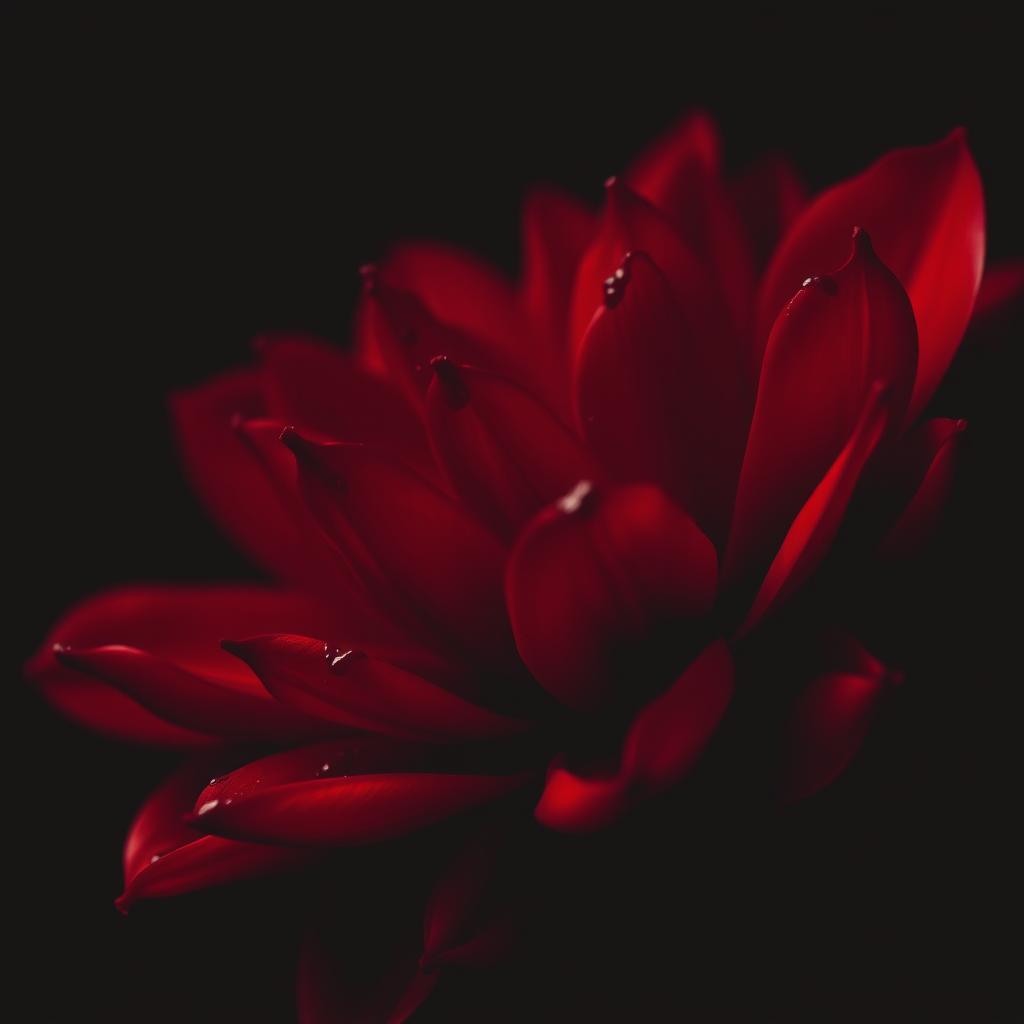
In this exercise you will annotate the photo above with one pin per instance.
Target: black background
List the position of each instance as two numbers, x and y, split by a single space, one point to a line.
180 186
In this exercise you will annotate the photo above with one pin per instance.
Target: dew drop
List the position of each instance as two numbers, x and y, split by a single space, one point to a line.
614 287
339 661
826 284
218 779
579 500
323 770
154 858
210 805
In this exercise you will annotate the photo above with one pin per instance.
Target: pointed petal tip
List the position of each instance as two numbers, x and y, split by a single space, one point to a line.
451 382
123 903
862 243
369 275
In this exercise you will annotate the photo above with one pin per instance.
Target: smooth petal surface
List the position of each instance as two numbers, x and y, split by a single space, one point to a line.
177 627
828 725
505 454
816 524
837 338
769 195
681 175
340 794
650 399
322 391
924 210
599 576
164 857
231 484
348 687
662 745
414 548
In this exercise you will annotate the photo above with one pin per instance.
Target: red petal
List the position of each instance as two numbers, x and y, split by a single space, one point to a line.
576 803
163 856
367 693
630 224
556 231
928 460
412 546
182 626
230 482
828 727
597 577
924 210
505 454
836 339
322 391
301 797
229 706
769 196
680 175
664 742
817 523
672 731
650 398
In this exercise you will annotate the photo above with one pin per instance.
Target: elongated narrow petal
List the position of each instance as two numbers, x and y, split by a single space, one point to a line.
924 210
681 175
177 628
368 693
836 339
648 397
321 390
816 524
340 794
231 484
506 455
599 577
164 857
230 707
412 545
664 742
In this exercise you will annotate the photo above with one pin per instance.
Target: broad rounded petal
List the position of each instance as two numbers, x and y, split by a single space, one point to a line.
231 484
650 398
925 212
164 857
600 576
816 524
182 627
230 707
505 454
827 728
769 195
929 462
415 549
629 223
343 793
672 731
353 689
837 338
579 803
680 174
322 391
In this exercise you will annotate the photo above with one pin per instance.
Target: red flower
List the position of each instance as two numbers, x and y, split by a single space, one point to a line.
542 527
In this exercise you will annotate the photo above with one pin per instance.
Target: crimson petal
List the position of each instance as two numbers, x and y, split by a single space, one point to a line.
367 693
413 546
769 195
164 857
925 212
182 627
838 337
598 576
340 794
506 455
816 524
648 397
681 175
662 745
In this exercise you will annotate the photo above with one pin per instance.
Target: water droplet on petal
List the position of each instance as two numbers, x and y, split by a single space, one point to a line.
579 500
210 805
339 661
218 779
154 858
615 286
323 770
